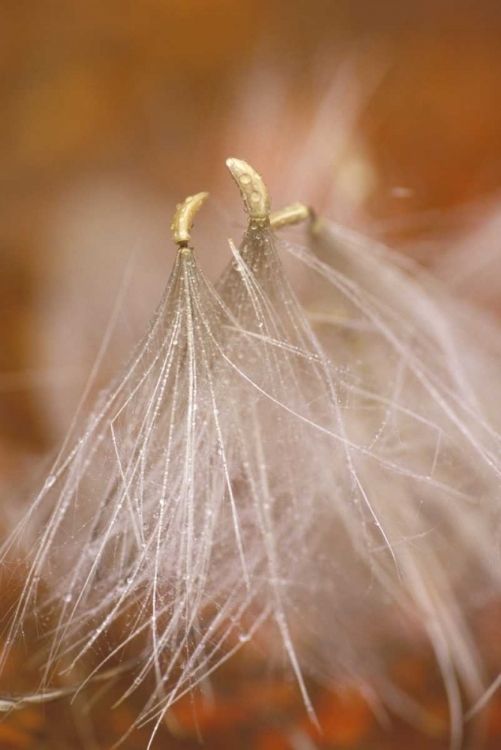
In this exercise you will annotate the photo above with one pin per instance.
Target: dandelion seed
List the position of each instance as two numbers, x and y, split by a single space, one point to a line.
419 444
177 526
133 496
317 477
422 408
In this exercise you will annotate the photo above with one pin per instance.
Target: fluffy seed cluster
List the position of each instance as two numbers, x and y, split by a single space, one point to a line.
316 476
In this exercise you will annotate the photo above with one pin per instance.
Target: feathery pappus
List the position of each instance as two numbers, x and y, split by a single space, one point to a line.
316 475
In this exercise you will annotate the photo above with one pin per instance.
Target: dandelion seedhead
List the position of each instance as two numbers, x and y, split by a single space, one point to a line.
319 477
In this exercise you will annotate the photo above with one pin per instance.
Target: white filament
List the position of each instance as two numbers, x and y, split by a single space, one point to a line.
323 476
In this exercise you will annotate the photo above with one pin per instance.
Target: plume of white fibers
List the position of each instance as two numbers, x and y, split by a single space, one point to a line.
185 516
424 370
409 485
136 518
321 478
107 243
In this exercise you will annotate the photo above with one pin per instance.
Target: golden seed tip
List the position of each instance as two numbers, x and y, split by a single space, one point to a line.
252 188
290 215
184 217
